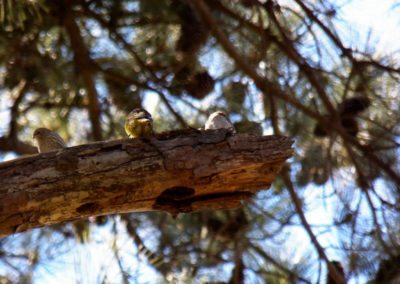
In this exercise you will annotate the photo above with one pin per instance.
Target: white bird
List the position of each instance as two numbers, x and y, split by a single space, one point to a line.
218 120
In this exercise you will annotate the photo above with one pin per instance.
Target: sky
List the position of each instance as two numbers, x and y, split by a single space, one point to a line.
377 16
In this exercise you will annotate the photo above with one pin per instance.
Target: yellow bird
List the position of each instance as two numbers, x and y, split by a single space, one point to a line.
139 124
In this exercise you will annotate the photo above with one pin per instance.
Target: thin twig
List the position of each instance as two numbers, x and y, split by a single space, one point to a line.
84 63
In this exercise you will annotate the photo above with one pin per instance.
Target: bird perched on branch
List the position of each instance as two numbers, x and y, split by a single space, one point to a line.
47 140
139 124
218 120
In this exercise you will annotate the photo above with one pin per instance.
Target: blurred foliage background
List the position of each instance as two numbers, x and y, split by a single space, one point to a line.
276 67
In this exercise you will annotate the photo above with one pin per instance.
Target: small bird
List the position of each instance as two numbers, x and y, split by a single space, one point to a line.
139 124
47 140
218 120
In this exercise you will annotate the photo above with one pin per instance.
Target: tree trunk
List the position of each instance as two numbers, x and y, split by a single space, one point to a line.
177 172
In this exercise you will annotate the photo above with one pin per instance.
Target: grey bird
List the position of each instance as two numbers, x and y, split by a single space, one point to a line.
47 140
218 120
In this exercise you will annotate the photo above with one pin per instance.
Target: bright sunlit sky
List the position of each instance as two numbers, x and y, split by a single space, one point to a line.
360 16
378 16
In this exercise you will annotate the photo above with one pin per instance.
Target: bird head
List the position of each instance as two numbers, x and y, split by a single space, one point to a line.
140 113
40 132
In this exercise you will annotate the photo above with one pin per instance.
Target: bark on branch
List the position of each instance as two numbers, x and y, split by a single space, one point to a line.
175 172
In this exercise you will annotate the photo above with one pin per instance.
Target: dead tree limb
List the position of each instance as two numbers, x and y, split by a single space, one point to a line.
175 172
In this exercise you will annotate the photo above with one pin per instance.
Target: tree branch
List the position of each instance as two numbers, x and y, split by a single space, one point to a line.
127 80
178 172
84 64
297 204
9 144
19 92
292 275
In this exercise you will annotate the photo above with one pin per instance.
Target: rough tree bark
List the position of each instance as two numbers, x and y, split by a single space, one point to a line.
178 172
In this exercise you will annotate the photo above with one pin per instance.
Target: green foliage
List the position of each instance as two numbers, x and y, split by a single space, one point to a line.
18 14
